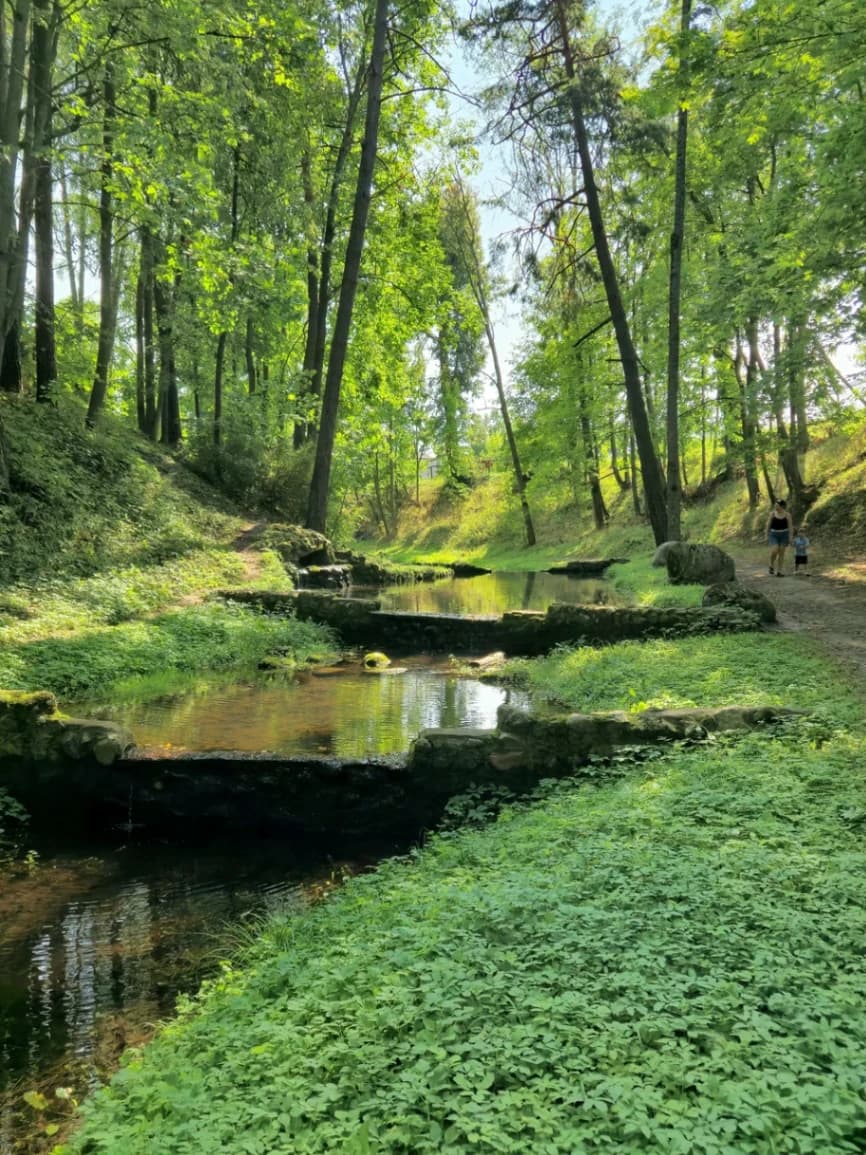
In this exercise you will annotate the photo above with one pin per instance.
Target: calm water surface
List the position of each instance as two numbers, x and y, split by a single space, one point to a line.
344 712
495 594
93 950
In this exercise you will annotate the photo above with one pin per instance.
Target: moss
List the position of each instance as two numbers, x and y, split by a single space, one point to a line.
37 702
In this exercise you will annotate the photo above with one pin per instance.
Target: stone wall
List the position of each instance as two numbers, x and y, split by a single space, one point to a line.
340 799
522 632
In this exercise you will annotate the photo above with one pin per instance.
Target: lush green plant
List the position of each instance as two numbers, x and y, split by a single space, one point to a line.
13 822
209 637
649 585
740 669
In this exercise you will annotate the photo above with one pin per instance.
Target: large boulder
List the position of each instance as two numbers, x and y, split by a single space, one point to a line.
660 557
702 565
298 546
740 596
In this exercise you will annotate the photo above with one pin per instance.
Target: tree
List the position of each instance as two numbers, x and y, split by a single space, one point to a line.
468 247
549 83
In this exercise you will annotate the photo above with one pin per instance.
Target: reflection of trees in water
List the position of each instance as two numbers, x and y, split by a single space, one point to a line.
83 985
495 594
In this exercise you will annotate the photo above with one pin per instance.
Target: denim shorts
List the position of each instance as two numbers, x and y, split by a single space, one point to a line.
779 537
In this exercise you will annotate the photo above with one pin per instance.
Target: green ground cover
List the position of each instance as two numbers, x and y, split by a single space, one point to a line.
668 961
190 640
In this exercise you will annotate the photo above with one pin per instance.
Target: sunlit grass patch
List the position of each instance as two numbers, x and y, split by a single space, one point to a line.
192 640
708 670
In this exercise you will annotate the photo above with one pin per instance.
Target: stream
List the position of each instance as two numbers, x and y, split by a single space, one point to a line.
97 942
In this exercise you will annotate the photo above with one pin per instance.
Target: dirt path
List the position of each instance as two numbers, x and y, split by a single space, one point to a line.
829 605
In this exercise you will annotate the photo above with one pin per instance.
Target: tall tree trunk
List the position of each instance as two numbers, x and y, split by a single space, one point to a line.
219 364
635 492
107 311
11 378
46 16
163 300
145 280
317 329
68 239
477 282
747 388
140 409
317 506
13 55
11 368
622 482
312 338
250 354
674 493
590 457
519 476
653 478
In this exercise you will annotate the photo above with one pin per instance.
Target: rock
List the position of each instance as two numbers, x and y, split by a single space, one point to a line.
660 557
467 569
697 564
367 571
324 577
733 594
376 660
298 546
590 567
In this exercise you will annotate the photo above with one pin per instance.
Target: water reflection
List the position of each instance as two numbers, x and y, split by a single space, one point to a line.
495 594
347 713
93 951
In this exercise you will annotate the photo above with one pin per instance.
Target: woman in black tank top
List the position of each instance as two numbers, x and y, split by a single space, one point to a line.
778 536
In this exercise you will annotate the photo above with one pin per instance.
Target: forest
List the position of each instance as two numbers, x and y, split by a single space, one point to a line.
253 232
356 357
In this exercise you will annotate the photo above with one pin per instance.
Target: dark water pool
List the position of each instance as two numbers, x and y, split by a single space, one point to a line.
494 594
94 950
344 712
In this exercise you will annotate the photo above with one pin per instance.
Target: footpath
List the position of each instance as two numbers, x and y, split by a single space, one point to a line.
829 605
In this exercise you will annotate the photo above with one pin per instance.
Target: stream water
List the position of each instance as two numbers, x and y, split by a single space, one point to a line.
494 593
95 945
342 711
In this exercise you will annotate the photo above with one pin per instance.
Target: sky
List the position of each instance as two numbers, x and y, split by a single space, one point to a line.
491 182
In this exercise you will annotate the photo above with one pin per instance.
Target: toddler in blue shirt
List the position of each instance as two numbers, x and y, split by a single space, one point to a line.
801 554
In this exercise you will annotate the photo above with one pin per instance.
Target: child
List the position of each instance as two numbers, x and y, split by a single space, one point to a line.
801 554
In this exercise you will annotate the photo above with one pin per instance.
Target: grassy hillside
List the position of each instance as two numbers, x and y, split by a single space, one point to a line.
484 524
109 546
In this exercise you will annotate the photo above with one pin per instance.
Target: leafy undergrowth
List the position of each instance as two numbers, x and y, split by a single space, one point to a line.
746 669
87 501
669 962
193 640
648 585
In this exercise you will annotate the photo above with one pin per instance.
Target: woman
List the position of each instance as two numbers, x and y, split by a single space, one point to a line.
779 536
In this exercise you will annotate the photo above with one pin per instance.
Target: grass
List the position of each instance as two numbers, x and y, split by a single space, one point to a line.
668 961
211 637
712 670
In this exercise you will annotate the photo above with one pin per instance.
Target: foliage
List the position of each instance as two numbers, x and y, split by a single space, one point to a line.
85 501
210 637
670 674
13 823
650 585
668 961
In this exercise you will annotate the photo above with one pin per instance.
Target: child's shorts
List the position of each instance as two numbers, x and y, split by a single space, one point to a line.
800 559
